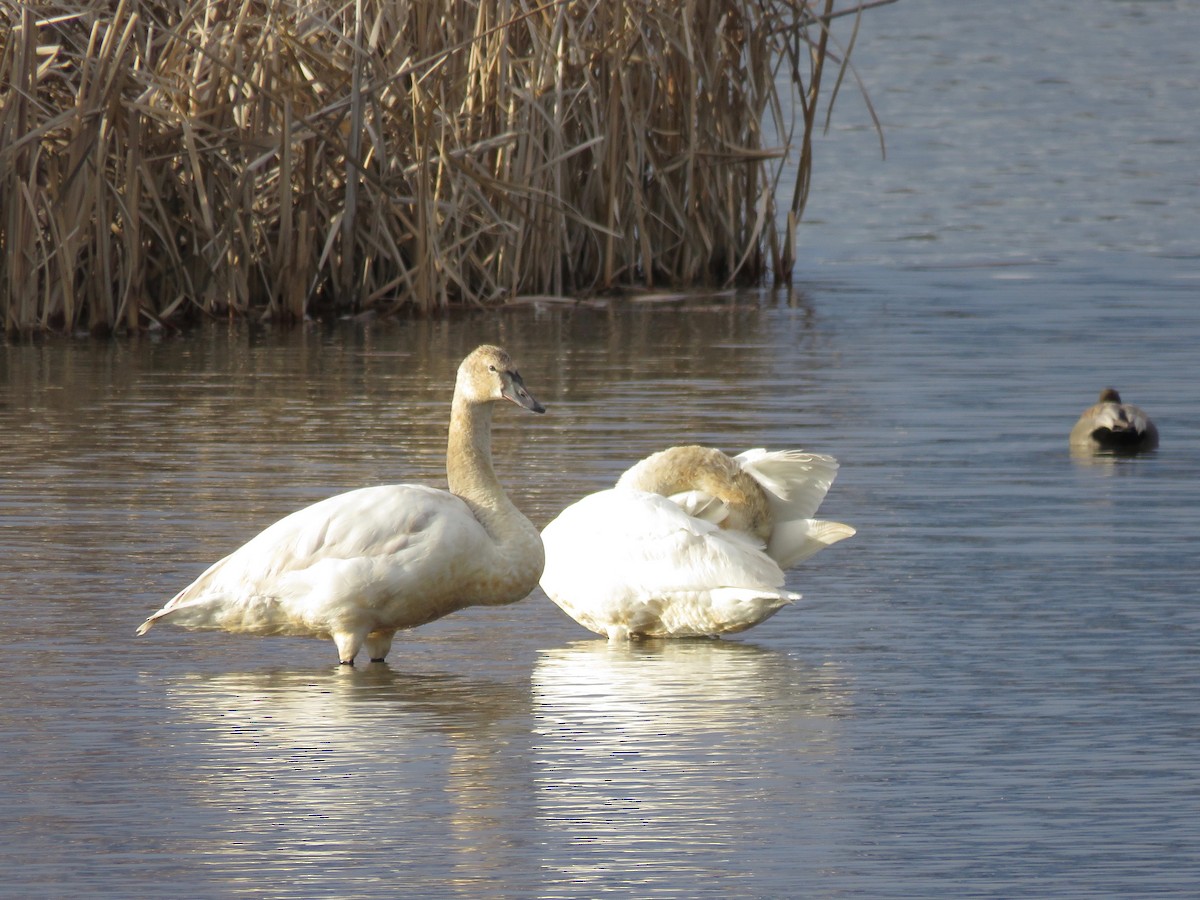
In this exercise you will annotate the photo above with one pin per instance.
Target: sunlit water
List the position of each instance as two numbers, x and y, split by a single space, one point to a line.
989 691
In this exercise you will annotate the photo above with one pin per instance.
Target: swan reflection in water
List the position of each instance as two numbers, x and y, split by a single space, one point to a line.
673 757
382 773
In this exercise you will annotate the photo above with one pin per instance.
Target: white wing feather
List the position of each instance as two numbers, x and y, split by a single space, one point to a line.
796 483
372 545
637 562
624 561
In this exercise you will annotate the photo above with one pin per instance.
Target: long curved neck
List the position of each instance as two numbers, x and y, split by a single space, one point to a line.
469 456
691 468
512 567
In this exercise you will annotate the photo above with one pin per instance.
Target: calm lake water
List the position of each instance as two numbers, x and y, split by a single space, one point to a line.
990 691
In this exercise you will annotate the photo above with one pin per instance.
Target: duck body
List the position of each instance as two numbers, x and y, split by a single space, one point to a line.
689 543
1112 426
359 566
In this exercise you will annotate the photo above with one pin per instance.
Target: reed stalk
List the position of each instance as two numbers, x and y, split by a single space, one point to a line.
284 158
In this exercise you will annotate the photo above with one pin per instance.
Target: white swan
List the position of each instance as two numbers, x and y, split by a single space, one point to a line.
690 542
359 566
1111 425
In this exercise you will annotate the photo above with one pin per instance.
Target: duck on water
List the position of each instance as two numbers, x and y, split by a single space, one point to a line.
1115 427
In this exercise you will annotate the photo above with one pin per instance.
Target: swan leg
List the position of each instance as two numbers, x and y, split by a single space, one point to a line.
620 633
348 644
378 645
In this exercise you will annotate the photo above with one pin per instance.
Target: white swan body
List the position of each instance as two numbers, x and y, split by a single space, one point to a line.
362 565
1114 426
690 542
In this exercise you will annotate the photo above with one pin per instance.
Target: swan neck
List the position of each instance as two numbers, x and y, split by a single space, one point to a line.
469 468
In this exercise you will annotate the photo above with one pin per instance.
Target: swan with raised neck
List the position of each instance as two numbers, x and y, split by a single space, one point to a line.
359 566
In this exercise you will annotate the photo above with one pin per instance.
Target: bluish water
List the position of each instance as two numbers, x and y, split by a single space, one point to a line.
988 692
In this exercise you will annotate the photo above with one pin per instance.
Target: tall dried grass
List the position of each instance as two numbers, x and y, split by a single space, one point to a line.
281 157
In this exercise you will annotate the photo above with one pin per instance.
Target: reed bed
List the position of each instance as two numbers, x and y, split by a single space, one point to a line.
284 158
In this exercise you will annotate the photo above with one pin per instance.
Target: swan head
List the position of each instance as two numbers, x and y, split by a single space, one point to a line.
488 374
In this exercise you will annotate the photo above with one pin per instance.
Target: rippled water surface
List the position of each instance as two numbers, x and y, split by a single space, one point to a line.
990 691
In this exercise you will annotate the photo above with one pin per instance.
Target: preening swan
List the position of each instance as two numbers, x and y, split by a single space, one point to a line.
690 542
1114 426
362 565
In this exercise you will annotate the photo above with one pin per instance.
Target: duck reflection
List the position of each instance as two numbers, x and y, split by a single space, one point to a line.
412 772
670 757
1108 462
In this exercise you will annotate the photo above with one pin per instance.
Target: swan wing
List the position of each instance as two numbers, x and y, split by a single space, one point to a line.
356 549
701 505
629 561
646 539
796 482
795 541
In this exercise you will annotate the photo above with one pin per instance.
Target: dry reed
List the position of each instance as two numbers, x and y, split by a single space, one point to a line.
282 158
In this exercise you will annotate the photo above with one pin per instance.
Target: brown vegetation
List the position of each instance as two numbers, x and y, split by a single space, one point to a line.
284 157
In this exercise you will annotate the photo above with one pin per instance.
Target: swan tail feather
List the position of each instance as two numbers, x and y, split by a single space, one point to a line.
793 542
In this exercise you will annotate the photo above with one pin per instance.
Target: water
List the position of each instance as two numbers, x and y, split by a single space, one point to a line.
988 692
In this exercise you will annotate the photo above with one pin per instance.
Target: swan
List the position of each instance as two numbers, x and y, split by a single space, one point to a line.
359 566
1114 426
690 542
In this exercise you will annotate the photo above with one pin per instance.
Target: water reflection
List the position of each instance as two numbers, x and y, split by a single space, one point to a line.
663 769
314 766
671 759
1109 462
